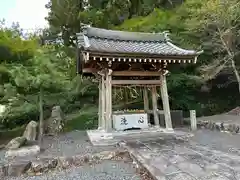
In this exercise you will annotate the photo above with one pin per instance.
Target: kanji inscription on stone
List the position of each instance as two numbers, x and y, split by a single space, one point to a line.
124 121
141 120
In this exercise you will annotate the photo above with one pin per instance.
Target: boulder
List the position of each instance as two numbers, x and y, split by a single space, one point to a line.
2 146
79 160
65 162
30 132
233 128
237 129
3 171
230 128
213 127
18 168
209 125
55 123
222 126
16 143
22 152
218 127
43 165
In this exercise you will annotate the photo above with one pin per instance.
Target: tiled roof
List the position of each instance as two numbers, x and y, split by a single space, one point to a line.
109 41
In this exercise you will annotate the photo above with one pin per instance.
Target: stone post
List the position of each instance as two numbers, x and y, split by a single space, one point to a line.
193 120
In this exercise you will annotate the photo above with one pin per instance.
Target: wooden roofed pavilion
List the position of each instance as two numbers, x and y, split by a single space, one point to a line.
129 58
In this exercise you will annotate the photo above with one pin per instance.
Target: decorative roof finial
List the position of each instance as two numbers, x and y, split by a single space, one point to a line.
166 35
84 27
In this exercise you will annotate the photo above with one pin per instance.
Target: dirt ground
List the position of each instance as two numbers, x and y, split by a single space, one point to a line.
227 119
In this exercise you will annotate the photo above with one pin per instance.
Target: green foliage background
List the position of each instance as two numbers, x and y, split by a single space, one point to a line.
41 61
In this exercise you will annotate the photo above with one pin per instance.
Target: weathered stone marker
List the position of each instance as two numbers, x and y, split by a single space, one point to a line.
193 120
56 122
30 132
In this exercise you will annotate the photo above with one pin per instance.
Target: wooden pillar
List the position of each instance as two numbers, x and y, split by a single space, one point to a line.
103 102
165 101
108 95
110 100
100 120
145 99
154 105
146 102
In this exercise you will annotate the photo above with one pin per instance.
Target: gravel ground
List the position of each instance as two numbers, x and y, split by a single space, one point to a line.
221 141
107 170
217 140
77 142
219 118
69 144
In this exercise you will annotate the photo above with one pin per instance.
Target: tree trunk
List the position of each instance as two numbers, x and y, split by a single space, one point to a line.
40 136
236 74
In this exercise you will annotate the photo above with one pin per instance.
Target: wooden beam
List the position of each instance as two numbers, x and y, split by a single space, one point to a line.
154 104
136 82
138 55
89 70
136 73
165 101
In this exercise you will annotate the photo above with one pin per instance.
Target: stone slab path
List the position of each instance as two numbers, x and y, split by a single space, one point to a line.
170 159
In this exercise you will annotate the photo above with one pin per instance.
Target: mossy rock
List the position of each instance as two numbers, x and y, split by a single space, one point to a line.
16 143
8 134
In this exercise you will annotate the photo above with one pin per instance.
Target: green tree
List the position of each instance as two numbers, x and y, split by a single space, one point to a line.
217 23
63 18
38 78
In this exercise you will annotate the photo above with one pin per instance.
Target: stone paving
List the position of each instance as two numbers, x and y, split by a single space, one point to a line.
175 160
